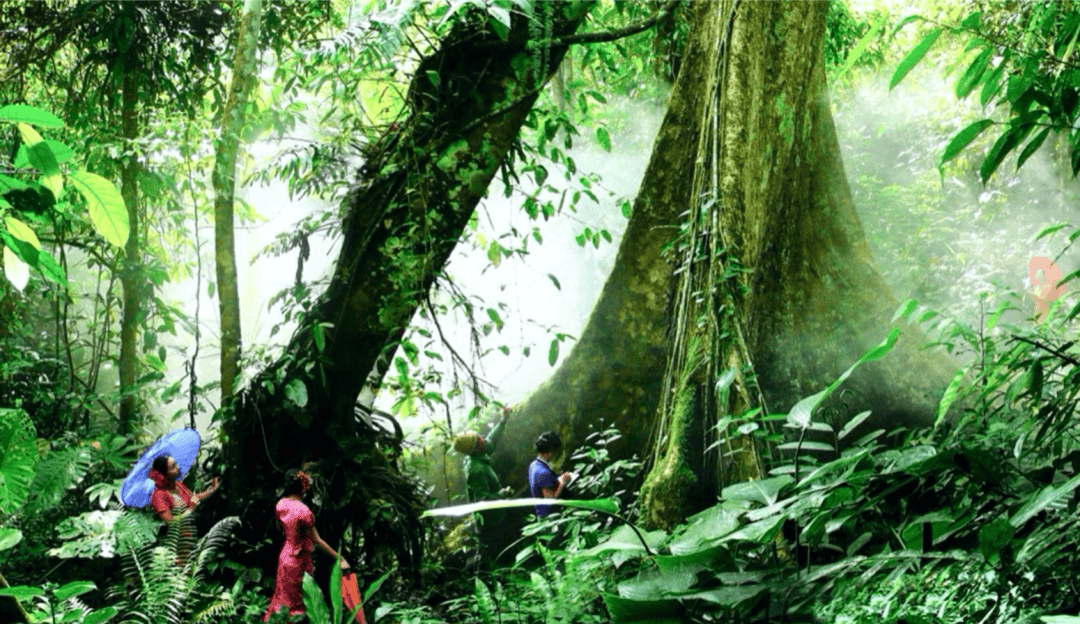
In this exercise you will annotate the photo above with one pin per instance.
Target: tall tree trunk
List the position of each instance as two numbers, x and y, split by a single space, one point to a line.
224 181
417 190
782 210
131 275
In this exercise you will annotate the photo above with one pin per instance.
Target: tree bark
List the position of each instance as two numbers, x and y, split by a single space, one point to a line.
224 182
418 188
814 302
131 275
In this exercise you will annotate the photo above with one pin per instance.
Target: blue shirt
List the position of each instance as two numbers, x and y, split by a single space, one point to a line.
541 476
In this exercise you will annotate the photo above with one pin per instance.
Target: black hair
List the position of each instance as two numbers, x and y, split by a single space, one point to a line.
161 464
549 441
292 484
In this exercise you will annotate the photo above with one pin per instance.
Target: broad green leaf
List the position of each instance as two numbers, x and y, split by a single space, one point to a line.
17 271
993 536
971 22
974 73
852 424
802 412
658 584
61 152
335 590
22 231
493 314
729 596
296 391
603 138
108 212
16 113
992 84
706 530
37 259
905 310
608 505
75 588
319 335
1032 147
9 538
50 269
1006 143
41 156
18 453
8 183
314 601
22 592
624 610
494 253
100 615
949 396
555 280
1044 499
914 57
623 539
962 140
764 491
553 352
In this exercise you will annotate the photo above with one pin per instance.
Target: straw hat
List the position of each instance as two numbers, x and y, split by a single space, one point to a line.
469 443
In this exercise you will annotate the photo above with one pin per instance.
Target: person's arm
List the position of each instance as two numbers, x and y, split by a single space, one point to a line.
318 541
495 434
553 492
213 487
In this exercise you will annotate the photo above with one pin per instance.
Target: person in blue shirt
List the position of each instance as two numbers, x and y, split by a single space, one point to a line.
542 480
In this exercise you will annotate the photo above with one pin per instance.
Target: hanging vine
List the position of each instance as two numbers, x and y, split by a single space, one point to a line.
709 381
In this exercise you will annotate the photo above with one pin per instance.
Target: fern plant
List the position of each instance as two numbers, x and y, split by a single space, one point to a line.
165 582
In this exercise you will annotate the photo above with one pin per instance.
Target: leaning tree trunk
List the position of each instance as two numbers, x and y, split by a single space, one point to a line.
749 125
417 190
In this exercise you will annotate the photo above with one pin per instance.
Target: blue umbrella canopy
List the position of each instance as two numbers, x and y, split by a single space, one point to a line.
182 445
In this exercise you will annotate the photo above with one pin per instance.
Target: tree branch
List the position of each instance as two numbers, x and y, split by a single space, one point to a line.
1067 358
583 38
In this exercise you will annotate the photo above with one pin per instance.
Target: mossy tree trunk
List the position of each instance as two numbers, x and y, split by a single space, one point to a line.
226 152
418 188
772 277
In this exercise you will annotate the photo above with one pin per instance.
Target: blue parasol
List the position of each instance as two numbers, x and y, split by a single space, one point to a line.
182 445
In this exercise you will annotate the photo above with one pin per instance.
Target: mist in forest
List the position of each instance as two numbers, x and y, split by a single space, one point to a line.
535 309
943 239
939 239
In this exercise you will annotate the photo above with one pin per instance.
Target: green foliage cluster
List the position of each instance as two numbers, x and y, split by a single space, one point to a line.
1025 64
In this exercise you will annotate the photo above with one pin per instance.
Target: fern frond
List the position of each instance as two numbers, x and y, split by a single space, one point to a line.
223 606
58 471
161 591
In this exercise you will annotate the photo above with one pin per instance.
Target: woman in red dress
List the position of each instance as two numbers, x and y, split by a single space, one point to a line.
171 494
298 524
173 500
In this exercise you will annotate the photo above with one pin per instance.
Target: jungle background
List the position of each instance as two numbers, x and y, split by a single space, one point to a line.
763 265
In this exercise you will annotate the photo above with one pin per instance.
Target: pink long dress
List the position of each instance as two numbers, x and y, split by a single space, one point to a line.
295 558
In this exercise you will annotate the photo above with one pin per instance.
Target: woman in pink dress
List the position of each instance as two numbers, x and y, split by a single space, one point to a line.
298 524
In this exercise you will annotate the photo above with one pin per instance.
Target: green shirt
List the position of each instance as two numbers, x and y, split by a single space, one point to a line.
481 483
